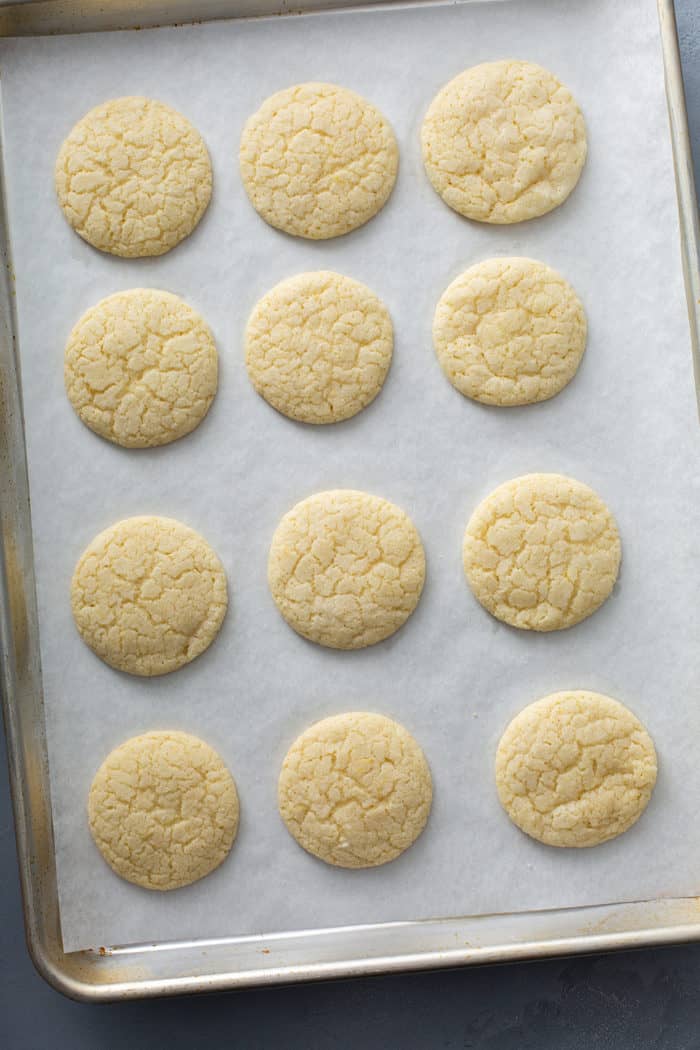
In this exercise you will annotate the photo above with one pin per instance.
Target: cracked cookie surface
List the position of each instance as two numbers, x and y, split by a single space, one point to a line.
575 769
542 552
317 160
355 790
318 347
346 569
504 142
133 177
163 810
509 331
141 368
148 595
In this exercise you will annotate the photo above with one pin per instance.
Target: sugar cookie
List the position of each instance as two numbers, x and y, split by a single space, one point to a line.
355 790
346 569
318 347
317 160
148 595
509 332
504 142
163 810
542 552
141 368
133 177
575 769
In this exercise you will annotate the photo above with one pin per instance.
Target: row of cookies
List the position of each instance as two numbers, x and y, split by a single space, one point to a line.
141 366
502 142
346 569
355 790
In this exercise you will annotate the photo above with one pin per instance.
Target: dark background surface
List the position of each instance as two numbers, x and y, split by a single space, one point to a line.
633 999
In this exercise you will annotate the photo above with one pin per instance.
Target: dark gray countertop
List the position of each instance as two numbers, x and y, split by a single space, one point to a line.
632 999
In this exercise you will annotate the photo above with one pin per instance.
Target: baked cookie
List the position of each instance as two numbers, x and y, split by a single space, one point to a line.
133 177
542 552
318 347
317 160
346 569
355 790
148 595
163 810
141 368
509 332
575 769
504 142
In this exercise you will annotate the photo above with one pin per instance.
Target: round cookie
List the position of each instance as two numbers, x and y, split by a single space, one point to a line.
318 347
163 810
133 177
355 790
575 769
346 569
148 595
141 368
509 331
317 160
504 142
542 552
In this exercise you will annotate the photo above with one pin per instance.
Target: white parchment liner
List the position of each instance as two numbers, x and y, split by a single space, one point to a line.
453 675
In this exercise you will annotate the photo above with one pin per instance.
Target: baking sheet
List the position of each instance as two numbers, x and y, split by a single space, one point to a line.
452 675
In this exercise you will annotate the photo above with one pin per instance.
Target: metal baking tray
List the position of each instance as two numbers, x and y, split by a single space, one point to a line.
142 970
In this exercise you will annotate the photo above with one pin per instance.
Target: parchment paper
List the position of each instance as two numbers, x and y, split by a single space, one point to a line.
452 675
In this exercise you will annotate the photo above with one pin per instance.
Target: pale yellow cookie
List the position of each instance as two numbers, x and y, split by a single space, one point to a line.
317 160
355 790
148 595
575 769
346 569
163 810
504 142
542 552
141 368
133 177
509 332
318 347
